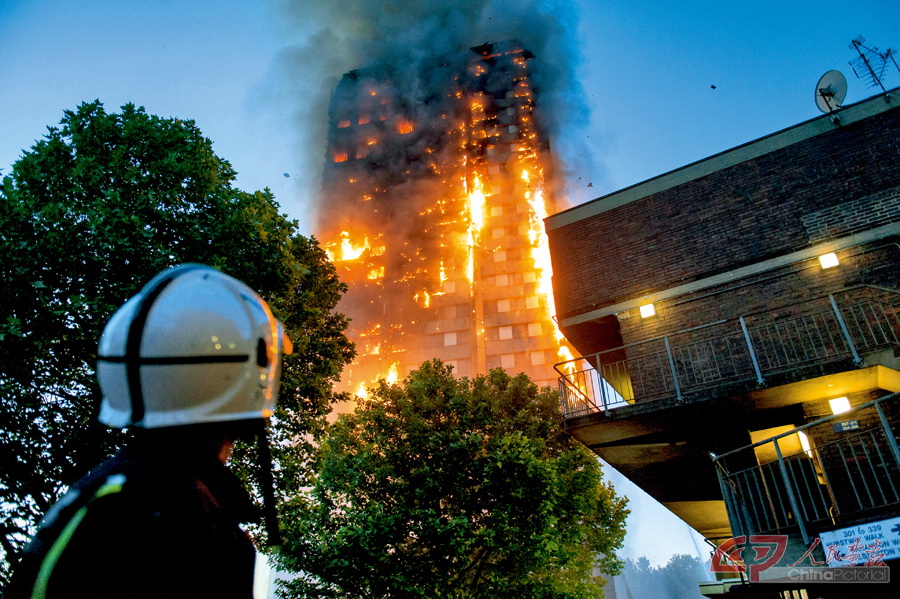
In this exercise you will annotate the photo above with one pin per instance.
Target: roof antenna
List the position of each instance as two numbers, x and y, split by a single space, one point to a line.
871 64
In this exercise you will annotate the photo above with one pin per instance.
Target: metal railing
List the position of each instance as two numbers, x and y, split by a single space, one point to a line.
746 349
833 476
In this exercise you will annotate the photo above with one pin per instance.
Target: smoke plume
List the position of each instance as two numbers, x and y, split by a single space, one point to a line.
409 38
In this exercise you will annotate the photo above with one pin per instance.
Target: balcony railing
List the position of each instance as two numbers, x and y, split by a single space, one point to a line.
743 350
829 476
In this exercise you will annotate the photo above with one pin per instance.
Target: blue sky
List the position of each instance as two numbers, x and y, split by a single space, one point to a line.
646 68
650 67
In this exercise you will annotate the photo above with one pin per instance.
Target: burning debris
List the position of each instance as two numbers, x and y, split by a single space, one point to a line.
434 193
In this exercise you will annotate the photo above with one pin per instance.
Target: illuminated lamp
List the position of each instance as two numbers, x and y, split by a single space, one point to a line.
839 405
647 310
828 260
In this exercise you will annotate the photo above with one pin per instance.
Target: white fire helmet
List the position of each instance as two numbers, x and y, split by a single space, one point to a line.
193 346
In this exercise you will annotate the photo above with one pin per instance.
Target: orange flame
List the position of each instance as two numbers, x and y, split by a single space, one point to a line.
423 298
540 256
392 375
470 225
347 250
477 201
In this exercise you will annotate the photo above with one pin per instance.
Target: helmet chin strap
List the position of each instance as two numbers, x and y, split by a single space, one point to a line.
267 486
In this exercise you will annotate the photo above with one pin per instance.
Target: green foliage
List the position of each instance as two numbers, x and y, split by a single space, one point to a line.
87 216
438 487
678 579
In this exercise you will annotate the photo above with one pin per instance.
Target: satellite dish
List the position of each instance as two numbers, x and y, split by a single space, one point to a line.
831 91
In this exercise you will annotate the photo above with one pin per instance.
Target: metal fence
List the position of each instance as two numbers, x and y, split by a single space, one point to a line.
819 485
746 349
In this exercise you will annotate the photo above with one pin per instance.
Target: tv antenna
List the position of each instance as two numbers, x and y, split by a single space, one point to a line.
831 91
871 64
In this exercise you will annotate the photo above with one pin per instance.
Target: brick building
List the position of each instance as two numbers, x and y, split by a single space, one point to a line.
738 326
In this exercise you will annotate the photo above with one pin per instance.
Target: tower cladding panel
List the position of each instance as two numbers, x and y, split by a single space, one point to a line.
432 207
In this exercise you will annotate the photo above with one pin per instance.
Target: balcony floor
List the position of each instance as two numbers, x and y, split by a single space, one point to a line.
665 447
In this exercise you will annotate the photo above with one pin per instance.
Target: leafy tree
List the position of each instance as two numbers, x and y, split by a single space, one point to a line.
642 579
438 487
678 579
89 214
683 575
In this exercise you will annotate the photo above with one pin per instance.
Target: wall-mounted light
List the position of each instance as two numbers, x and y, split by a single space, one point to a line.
647 310
839 405
828 260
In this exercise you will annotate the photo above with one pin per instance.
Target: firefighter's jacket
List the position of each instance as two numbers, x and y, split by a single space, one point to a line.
145 523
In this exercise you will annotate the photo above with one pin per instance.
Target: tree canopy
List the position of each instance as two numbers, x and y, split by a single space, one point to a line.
444 487
87 216
680 578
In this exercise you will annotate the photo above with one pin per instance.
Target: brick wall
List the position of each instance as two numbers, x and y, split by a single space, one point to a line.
788 291
841 182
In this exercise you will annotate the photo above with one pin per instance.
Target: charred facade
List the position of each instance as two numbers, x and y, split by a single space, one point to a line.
434 192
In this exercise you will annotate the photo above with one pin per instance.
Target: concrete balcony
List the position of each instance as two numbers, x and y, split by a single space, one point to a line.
808 479
751 351
657 409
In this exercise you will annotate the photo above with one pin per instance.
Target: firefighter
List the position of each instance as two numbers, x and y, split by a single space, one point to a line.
191 364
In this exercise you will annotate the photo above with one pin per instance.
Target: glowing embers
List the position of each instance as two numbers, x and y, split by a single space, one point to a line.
346 249
423 298
477 110
523 90
369 342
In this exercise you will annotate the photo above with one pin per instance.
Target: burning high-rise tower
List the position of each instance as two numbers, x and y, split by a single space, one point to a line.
434 192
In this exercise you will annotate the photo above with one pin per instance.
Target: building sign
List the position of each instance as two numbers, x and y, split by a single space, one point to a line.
868 544
846 425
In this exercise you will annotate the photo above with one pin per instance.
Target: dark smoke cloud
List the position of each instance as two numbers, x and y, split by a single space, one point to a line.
334 38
